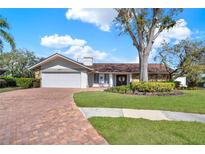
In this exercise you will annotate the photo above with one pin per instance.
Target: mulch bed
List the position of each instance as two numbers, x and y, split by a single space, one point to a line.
172 93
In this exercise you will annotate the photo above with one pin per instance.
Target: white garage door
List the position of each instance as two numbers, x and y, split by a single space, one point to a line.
61 80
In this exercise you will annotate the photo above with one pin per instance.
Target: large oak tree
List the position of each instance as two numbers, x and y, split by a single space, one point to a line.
144 26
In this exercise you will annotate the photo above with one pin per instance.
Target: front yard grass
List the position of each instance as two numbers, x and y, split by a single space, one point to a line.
9 89
140 131
192 101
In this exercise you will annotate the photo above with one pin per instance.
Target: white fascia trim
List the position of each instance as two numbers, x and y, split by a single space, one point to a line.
63 57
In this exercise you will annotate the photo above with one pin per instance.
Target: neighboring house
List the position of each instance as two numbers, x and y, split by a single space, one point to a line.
2 71
182 81
60 71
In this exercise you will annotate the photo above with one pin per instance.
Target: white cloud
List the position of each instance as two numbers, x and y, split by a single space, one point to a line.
102 18
56 41
78 52
179 32
77 48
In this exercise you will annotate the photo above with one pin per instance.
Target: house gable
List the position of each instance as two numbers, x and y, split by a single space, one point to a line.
61 65
60 57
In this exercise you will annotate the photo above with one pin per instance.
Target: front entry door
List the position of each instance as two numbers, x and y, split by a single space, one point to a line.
121 80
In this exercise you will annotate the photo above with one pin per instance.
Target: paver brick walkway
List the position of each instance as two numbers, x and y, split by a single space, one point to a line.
44 116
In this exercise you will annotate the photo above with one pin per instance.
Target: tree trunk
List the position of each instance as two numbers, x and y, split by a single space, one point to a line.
143 67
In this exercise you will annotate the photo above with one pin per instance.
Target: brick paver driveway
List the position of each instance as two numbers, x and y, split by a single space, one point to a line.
44 116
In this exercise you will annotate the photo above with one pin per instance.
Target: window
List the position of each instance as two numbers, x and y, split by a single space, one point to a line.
106 78
96 78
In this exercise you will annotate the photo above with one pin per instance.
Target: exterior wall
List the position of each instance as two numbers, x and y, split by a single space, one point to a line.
111 79
60 65
90 79
114 80
84 80
182 81
128 78
37 73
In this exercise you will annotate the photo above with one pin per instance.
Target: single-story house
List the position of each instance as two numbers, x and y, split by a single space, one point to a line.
60 71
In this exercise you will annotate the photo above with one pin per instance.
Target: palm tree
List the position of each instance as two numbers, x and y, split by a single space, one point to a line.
4 35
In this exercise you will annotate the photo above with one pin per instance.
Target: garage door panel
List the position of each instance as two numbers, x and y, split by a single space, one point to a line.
61 80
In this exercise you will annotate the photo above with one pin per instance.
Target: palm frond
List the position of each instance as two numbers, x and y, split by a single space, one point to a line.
7 37
1 46
4 23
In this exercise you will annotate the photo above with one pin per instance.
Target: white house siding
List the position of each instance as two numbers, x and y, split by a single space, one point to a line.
60 73
111 79
60 65
90 79
84 80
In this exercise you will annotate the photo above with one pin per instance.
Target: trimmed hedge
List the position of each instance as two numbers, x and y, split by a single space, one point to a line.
24 82
10 81
119 89
2 83
147 87
19 82
152 86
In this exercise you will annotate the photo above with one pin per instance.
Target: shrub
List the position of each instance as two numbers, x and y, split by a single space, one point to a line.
123 89
153 86
177 84
10 81
144 87
3 83
119 89
24 82
36 83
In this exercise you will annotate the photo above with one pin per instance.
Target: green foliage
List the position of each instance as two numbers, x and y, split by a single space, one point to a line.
185 59
36 83
2 83
19 82
18 62
144 87
177 84
191 101
5 35
153 86
119 89
131 131
144 26
10 81
24 82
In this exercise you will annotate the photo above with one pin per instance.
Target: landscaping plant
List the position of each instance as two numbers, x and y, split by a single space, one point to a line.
147 87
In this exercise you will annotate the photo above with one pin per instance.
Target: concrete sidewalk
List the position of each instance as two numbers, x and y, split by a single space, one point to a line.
146 114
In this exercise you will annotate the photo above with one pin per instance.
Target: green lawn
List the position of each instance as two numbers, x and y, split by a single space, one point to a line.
140 131
192 101
9 89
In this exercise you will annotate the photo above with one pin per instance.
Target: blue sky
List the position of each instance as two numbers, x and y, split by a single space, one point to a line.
81 32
